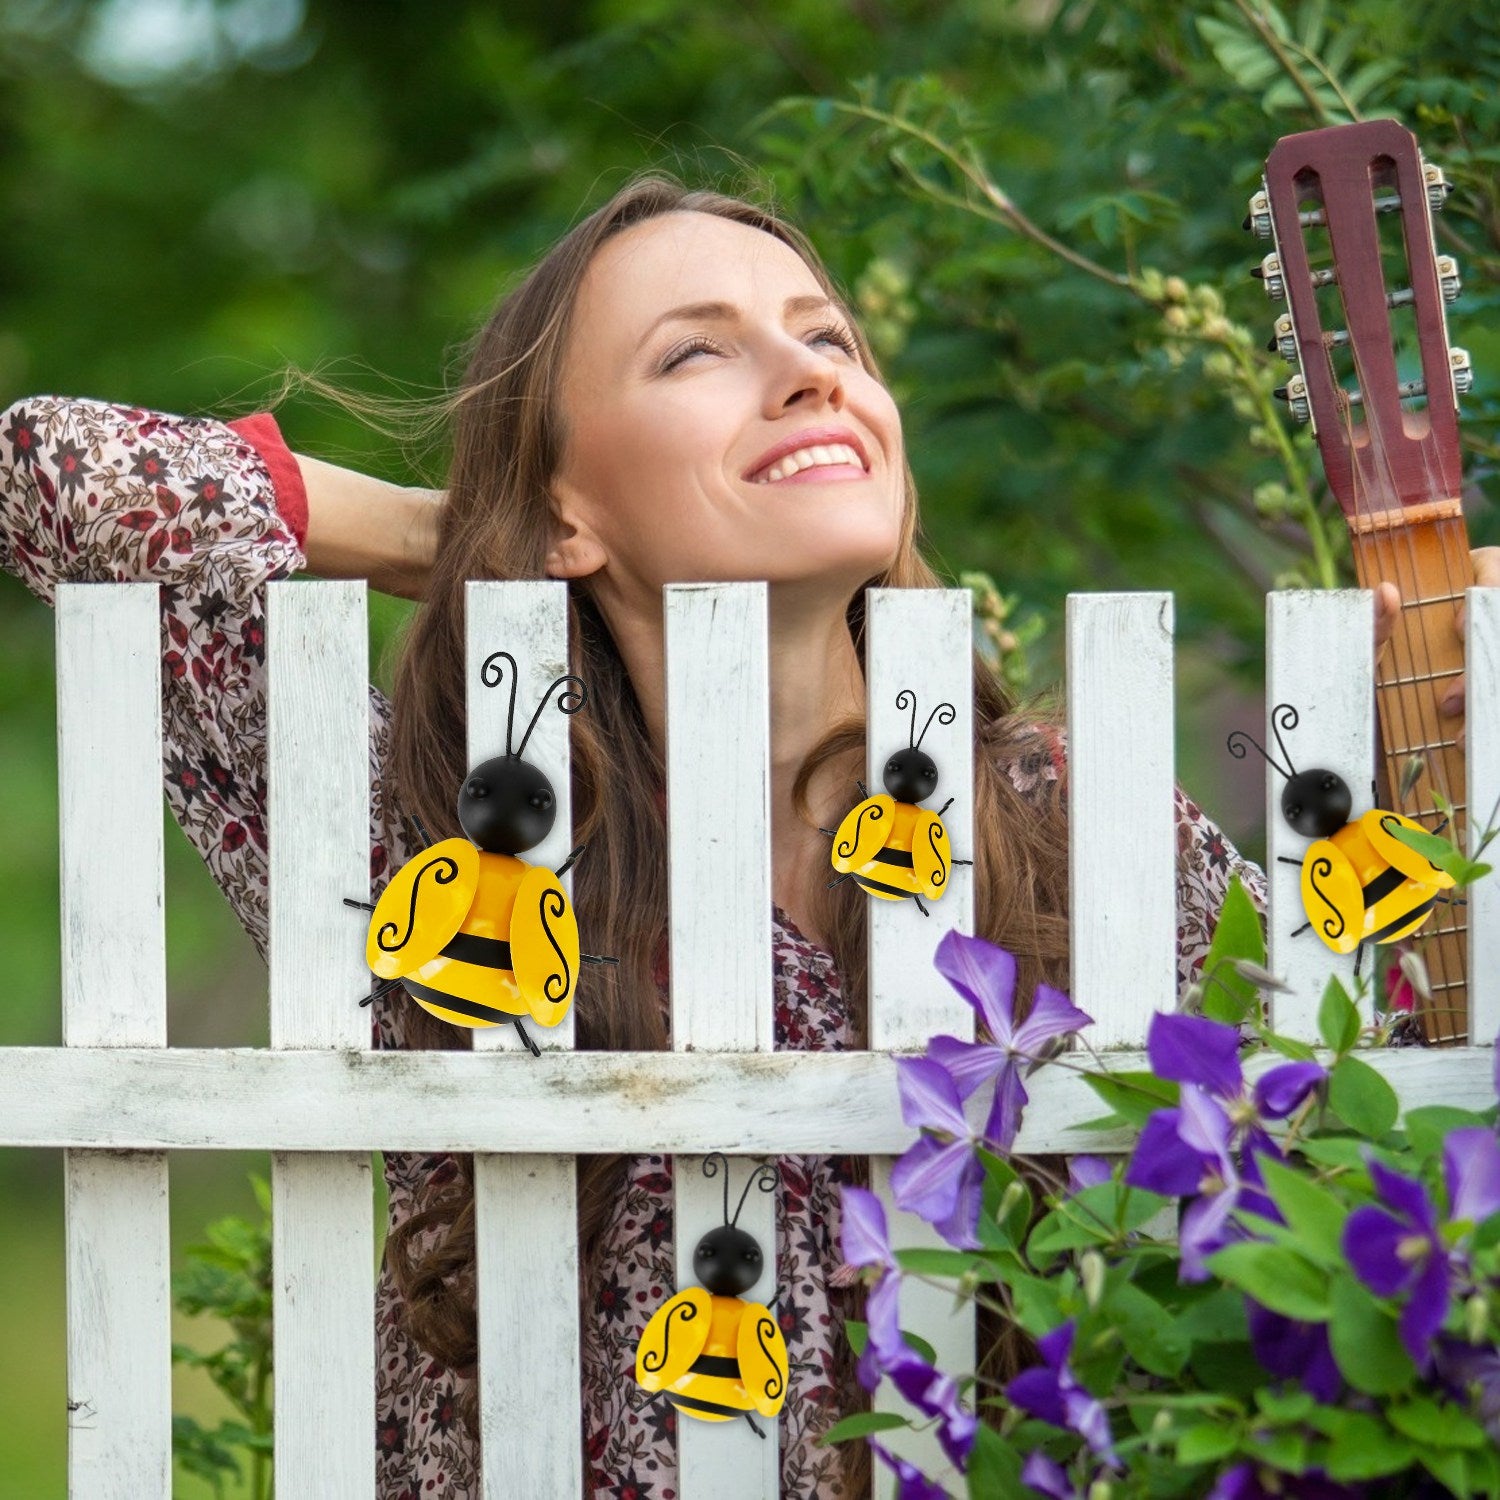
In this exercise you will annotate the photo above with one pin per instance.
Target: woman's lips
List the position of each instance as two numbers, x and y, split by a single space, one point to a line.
819 474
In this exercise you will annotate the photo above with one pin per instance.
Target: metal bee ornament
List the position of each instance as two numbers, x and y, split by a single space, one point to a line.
715 1355
475 934
887 844
1360 884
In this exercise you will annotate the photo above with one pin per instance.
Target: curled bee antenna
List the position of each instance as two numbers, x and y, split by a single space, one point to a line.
764 1177
568 702
942 718
1282 716
490 675
713 1164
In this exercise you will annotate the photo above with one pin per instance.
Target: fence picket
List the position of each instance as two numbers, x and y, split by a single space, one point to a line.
114 994
719 826
526 1205
319 837
1482 742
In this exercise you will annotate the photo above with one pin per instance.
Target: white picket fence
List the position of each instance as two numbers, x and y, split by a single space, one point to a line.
118 1098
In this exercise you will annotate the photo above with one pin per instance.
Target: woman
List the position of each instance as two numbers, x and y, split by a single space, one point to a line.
621 425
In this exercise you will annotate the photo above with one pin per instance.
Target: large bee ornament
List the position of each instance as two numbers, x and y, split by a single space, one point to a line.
715 1355
888 845
475 935
1360 883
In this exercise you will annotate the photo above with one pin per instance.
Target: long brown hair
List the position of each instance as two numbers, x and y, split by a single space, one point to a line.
508 439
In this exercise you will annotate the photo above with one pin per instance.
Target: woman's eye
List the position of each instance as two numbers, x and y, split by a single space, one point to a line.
831 334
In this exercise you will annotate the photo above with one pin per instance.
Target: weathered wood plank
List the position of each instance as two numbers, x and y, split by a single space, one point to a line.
1122 889
318 835
920 642
526 1206
719 832
1320 660
114 995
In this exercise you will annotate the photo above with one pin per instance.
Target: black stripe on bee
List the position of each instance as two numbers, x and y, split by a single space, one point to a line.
1382 885
455 1003
484 952
880 885
717 1364
693 1403
1402 921
900 857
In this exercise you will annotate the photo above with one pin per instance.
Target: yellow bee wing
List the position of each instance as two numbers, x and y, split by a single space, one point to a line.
762 1356
1332 896
673 1338
544 945
929 853
422 907
1403 857
863 833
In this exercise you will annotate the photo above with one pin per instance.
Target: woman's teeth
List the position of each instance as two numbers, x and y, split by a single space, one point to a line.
808 458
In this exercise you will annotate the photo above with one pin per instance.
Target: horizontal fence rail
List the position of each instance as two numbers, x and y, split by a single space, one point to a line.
117 1098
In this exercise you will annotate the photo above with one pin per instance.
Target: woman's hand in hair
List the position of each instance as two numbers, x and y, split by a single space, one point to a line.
361 527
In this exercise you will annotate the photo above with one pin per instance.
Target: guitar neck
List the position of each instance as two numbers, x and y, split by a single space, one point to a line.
1424 551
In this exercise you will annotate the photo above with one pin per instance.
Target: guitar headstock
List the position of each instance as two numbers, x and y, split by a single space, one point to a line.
1349 213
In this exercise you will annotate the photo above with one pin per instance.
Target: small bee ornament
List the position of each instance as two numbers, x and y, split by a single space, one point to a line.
475 935
1360 883
888 845
715 1355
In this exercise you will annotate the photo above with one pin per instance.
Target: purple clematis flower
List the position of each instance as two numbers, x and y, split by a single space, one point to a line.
935 1394
1243 1482
1471 1372
1295 1350
1047 1477
1087 1171
941 1177
1053 1394
1398 1251
985 975
866 1243
915 1485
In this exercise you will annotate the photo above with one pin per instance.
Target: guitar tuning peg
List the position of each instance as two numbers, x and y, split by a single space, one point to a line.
1463 371
1269 271
1438 186
1294 393
1284 340
1258 220
1447 269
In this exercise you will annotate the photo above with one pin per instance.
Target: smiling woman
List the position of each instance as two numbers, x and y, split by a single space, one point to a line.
677 392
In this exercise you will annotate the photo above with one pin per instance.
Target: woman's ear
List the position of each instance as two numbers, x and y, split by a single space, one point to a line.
575 551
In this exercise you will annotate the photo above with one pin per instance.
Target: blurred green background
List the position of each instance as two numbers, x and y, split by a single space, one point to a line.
195 193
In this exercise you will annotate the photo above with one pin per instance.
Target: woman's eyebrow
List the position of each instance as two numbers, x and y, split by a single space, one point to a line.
727 312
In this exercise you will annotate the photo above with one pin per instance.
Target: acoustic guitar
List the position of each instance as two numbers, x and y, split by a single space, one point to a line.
1349 212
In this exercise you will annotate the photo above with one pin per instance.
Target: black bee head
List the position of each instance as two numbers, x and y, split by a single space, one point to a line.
1316 803
910 775
727 1261
506 805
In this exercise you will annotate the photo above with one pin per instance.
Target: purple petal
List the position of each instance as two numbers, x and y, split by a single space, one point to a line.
1088 1171
1279 1090
1471 1166
1204 1125
929 1099
1162 1162
1405 1194
1294 1350
1046 1477
1004 1123
864 1237
1424 1312
1052 1014
929 1178
1193 1049
1087 1417
1240 1483
1055 1347
958 1227
968 1064
1371 1238
1037 1392
956 1427
915 1485
1202 1231
884 1346
985 976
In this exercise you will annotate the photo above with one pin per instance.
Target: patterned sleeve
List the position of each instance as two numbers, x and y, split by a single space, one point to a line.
96 492
1205 857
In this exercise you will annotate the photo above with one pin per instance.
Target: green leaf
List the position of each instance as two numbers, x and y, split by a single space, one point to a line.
1439 1426
858 1334
936 1262
994 1471
1366 1342
1000 1177
1314 1214
1362 1447
1361 1098
1152 1339
1137 1096
1276 1277
1338 1020
1287 1046
1207 1443
1227 995
1428 1125
861 1424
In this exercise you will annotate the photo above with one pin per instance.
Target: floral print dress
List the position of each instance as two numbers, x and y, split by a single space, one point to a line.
212 511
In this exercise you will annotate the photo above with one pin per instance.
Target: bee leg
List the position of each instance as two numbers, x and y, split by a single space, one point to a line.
1453 900
753 1428
358 905
831 832
944 808
563 868
1441 826
1303 928
837 880
380 989
920 907
1282 859
962 861
864 791
532 1046
1359 955
593 958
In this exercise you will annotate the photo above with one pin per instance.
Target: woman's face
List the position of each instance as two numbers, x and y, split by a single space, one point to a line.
671 417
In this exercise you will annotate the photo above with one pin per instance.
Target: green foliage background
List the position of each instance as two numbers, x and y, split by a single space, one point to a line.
195 191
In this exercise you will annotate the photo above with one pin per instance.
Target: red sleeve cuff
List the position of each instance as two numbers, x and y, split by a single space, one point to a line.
262 433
